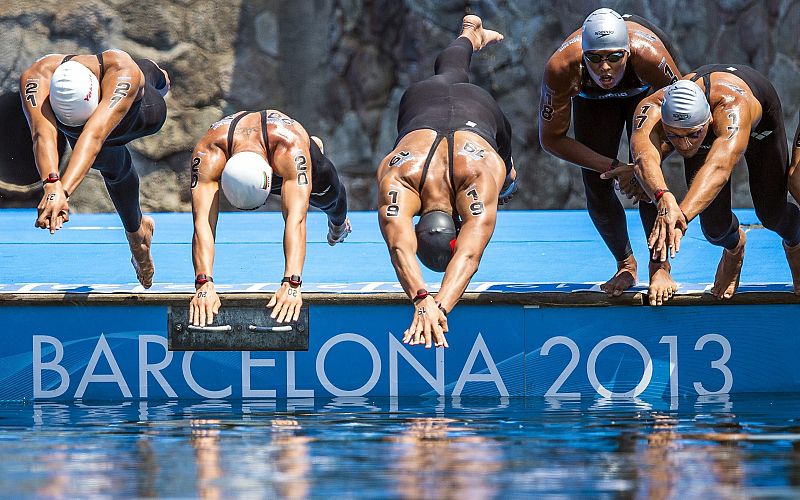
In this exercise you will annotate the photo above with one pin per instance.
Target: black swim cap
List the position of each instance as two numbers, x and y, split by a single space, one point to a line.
436 232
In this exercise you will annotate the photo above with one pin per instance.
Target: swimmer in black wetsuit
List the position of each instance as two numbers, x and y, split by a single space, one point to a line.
301 175
594 81
100 102
712 118
452 165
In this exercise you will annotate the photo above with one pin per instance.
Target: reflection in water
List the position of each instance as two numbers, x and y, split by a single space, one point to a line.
205 441
443 458
292 459
713 446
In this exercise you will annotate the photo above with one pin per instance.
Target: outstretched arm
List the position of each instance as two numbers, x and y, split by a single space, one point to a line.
648 149
53 210
294 165
646 145
731 124
477 205
207 165
397 204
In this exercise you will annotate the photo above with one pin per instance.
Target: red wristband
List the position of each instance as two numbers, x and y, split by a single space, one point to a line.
660 193
202 279
294 280
53 177
421 295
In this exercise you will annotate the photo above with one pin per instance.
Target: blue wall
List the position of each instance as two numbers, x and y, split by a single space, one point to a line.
119 352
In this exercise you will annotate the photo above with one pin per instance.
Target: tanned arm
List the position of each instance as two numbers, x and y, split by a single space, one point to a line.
732 123
555 114
397 205
648 149
208 161
293 163
647 143
34 91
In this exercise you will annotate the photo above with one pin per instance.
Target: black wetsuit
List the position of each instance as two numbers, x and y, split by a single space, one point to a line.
328 193
598 117
767 158
447 102
146 117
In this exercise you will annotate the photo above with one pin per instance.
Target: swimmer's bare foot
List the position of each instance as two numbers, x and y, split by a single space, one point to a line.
793 257
337 234
319 143
142 259
624 279
729 270
472 28
662 287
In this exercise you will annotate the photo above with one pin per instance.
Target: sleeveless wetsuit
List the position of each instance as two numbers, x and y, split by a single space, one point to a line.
446 102
145 117
327 192
767 158
598 117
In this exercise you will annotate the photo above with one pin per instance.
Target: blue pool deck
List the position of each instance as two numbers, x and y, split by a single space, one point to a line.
530 251
533 322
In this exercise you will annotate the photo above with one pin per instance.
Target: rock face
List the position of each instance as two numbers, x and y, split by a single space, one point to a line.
340 67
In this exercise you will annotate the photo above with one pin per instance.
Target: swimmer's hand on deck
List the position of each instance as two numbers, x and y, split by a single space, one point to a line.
429 325
627 181
286 304
669 228
204 306
54 207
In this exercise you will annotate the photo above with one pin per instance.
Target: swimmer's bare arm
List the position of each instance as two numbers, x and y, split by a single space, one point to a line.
478 209
293 164
648 149
794 171
654 64
34 87
208 162
732 123
397 205
555 114
120 86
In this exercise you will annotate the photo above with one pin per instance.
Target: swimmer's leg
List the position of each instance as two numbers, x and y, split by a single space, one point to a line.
329 194
122 182
452 64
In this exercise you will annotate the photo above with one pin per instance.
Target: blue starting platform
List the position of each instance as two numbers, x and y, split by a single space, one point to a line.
533 322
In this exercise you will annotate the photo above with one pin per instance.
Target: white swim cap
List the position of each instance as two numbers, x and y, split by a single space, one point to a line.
685 105
604 29
247 180
74 92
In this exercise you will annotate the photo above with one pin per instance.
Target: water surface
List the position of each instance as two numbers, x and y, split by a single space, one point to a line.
408 448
